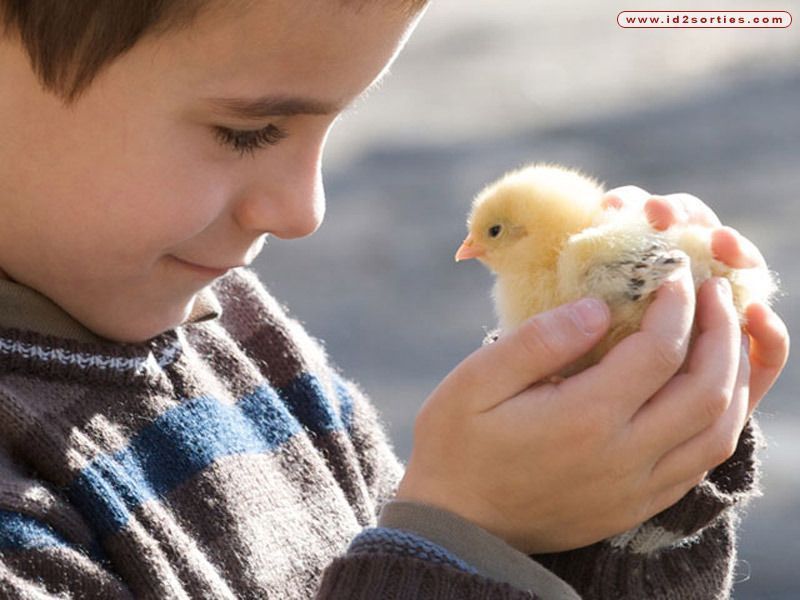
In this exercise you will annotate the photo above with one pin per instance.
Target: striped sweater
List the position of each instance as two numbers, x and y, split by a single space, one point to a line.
227 458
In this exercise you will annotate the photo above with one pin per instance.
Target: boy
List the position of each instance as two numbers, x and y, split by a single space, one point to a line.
168 432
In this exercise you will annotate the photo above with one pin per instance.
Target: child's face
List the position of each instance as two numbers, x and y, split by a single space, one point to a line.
100 200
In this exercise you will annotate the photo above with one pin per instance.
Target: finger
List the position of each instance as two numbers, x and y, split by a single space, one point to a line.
646 359
679 209
735 250
628 195
698 211
711 447
769 349
671 494
662 213
747 371
693 400
611 201
541 346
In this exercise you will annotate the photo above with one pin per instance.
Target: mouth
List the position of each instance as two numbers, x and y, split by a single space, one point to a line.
470 249
203 271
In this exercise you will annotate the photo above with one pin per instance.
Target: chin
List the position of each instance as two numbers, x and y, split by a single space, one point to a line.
133 331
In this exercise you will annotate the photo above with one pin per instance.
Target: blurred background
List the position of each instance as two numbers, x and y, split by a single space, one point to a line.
484 87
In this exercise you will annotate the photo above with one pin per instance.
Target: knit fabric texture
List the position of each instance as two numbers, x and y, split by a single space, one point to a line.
221 459
687 551
228 459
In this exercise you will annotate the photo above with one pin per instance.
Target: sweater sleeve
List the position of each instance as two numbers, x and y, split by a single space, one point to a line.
686 551
389 560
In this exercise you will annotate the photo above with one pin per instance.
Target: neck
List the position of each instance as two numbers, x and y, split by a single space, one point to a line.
521 295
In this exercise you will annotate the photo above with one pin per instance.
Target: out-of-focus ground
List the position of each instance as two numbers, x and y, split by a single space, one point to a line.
486 86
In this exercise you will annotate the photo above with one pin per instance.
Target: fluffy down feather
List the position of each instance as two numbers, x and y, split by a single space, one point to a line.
544 233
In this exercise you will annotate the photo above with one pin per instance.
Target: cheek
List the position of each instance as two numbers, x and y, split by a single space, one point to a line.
165 197
135 216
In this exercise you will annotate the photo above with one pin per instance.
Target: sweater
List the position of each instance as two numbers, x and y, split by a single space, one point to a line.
228 458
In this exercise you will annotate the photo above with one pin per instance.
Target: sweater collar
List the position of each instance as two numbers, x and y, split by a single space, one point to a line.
24 308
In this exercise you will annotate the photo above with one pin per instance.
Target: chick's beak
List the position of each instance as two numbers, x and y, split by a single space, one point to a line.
469 249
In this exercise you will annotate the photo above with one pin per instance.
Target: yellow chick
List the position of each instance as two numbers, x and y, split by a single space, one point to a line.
544 233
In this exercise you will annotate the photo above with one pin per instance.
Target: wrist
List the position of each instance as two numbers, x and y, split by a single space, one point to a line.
491 556
464 505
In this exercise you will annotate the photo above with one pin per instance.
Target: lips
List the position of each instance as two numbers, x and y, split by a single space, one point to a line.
203 270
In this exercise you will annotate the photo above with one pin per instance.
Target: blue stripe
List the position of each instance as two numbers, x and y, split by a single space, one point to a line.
185 440
21 532
345 404
307 402
179 444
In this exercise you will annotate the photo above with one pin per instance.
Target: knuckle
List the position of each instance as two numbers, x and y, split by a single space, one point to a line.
715 403
538 339
723 449
721 446
668 354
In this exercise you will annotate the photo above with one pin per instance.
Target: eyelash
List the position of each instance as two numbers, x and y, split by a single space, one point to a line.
248 141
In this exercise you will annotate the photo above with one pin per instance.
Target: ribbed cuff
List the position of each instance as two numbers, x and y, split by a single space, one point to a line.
370 577
487 554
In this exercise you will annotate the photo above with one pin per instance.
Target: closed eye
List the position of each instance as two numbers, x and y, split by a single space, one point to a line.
248 141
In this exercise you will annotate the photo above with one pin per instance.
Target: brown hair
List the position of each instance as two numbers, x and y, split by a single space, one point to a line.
70 41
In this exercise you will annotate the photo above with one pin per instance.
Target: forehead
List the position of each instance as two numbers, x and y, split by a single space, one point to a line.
319 48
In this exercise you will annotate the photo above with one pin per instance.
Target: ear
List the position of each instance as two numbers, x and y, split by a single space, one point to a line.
518 231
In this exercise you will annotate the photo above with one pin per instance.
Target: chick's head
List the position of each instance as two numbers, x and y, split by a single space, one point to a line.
521 221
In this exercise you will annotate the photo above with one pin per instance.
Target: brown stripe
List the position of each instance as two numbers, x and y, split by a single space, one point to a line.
61 427
174 565
25 495
61 570
702 569
255 318
278 543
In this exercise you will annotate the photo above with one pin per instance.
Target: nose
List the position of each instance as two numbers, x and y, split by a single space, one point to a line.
286 202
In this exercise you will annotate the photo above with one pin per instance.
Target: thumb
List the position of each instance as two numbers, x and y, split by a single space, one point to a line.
541 346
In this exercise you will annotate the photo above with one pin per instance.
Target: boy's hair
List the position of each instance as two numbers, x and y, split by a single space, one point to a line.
70 41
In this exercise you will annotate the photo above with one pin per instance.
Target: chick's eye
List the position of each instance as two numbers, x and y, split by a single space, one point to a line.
495 230
244 141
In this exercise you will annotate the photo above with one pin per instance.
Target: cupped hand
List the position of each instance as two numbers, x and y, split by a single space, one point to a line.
768 335
554 466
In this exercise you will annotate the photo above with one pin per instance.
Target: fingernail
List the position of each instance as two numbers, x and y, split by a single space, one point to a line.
589 315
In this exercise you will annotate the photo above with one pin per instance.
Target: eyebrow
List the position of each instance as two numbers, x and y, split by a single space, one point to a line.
273 106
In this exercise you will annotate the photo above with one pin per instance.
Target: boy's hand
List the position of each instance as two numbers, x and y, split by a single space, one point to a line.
550 467
767 333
